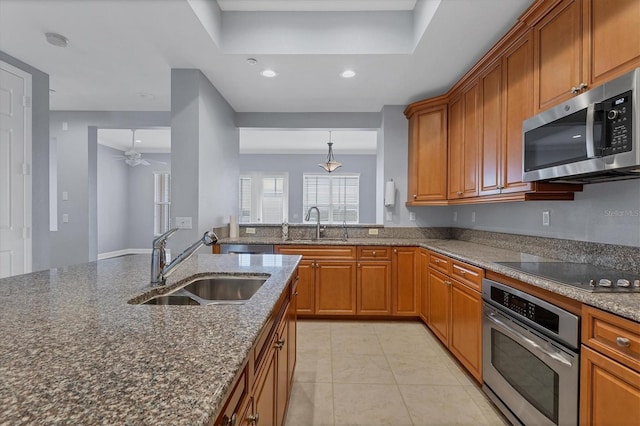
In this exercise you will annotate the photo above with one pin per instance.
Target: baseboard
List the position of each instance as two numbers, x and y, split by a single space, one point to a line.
124 252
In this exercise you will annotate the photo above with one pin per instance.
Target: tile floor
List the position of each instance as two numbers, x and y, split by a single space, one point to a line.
381 373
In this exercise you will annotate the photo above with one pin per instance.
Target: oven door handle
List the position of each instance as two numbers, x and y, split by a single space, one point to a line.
558 356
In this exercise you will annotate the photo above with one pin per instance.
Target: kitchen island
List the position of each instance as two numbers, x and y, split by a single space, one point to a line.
74 350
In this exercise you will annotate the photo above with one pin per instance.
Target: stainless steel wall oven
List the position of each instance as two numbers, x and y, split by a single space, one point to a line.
530 357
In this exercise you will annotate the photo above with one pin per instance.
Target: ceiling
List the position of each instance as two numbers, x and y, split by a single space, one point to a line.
120 53
270 141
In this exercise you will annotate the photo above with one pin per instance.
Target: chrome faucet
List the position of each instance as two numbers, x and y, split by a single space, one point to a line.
308 216
345 234
159 269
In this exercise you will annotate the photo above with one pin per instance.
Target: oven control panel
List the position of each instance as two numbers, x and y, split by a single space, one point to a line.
526 309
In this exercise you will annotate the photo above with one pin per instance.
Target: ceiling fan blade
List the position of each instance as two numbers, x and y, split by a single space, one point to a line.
145 163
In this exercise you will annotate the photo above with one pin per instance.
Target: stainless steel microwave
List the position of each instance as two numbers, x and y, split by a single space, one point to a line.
593 137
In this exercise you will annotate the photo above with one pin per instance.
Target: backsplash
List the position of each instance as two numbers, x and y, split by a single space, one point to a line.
298 232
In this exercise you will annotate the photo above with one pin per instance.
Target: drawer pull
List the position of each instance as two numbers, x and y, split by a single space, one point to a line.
462 272
447 282
254 418
437 261
374 254
280 344
623 342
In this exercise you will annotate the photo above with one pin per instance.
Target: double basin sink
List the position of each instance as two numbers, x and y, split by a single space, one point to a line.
212 290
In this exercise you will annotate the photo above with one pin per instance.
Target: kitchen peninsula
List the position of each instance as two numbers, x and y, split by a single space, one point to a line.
74 350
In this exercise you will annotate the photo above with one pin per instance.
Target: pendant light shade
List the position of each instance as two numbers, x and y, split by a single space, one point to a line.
331 164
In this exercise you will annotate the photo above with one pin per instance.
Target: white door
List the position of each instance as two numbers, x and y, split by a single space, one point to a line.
15 171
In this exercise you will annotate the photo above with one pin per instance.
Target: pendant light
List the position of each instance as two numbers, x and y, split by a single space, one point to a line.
331 164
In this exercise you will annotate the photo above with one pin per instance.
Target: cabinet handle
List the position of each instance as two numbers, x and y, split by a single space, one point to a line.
415 196
459 192
500 187
623 342
254 418
373 253
574 90
295 294
359 265
447 282
395 251
437 261
582 86
226 421
462 272
279 344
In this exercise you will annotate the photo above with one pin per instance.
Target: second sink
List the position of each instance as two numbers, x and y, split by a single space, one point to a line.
225 288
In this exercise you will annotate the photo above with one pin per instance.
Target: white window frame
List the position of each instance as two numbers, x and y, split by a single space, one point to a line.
332 177
161 200
257 195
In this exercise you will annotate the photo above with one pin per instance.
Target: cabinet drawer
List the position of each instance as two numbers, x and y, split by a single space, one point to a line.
440 263
319 252
374 253
467 274
617 337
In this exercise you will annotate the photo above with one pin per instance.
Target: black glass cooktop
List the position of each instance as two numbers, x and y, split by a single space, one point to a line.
585 276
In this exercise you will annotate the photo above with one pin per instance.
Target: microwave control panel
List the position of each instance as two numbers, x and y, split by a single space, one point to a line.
618 122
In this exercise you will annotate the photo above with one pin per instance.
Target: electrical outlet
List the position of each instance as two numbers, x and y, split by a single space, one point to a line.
373 231
184 222
65 196
473 217
545 218
65 218
412 216
250 230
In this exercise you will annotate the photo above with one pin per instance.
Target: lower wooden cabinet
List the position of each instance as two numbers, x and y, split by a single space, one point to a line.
374 287
404 284
454 310
306 300
335 287
609 370
424 285
610 392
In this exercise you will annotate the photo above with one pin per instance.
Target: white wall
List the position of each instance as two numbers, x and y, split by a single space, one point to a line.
112 194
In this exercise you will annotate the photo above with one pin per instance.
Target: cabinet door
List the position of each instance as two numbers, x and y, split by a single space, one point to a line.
374 288
336 287
471 136
264 396
557 55
282 370
609 391
293 332
517 81
456 148
611 40
424 285
405 286
306 292
428 155
490 147
466 328
439 305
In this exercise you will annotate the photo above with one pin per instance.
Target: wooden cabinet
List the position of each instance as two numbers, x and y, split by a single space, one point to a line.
454 309
306 287
424 285
335 282
558 55
463 143
427 166
610 369
405 285
491 123
374 287
261 394
610 39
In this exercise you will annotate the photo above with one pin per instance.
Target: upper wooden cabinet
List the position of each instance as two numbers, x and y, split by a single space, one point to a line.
427 174
610 38
463 143
557 41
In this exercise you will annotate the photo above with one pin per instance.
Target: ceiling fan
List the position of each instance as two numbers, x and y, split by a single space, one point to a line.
134 158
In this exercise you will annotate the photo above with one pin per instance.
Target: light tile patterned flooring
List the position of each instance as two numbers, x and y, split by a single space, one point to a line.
381 373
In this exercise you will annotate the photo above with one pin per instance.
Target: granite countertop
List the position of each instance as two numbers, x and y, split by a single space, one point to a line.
624 304
74 351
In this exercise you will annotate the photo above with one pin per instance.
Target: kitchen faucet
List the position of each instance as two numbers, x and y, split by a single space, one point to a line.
159 269
308 216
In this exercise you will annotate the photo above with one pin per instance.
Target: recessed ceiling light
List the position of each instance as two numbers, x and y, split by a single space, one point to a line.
348 74
145 95
138 140
56 39
268 73
252 61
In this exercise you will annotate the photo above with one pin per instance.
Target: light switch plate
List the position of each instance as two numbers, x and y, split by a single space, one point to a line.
65 218
184 222
545 218
412 216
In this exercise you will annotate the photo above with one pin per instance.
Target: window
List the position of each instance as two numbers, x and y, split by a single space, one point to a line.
264 197
336 196
161 202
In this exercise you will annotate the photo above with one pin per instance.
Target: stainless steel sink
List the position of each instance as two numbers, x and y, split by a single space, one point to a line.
212 290
225 288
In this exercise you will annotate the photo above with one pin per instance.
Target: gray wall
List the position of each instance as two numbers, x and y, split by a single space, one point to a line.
297 165
605 213
309 120
39 160
204 155
76 241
